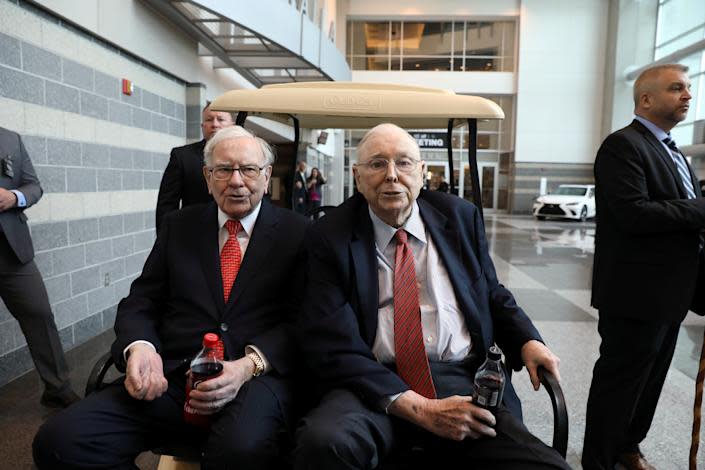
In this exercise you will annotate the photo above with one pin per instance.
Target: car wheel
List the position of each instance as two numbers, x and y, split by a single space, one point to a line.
583 214
540 217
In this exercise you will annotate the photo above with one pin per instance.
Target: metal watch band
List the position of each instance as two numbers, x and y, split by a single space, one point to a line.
259 363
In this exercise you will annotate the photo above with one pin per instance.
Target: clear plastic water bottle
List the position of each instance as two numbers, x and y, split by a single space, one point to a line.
489 381
205 366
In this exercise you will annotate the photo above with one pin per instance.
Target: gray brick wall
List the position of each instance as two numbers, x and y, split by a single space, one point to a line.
88 266
31 74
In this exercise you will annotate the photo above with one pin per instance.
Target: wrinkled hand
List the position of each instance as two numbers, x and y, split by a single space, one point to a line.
212 395
145 373
534 354
453 418
8 199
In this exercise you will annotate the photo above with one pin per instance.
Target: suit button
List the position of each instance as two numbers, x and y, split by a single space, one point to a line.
223 327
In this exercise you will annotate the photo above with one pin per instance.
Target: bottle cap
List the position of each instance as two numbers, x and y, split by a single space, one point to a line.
494 353
210 340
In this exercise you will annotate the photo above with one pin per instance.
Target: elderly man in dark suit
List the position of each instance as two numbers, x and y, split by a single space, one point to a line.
21 285
183 183
402 306
229 267
648 251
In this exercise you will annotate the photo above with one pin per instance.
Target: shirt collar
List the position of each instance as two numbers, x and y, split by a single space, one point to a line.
247 222
659 133
384 232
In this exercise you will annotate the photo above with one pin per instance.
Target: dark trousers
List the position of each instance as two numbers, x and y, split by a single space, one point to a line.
23 292
108 429
344 433
626 385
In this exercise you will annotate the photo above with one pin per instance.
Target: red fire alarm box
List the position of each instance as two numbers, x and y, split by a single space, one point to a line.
127 87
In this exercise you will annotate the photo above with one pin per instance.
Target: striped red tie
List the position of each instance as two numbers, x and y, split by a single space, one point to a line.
230 257
412 362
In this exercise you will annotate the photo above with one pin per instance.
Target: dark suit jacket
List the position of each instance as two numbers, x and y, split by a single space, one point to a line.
339 317
13 221
182 183
646 245
179 295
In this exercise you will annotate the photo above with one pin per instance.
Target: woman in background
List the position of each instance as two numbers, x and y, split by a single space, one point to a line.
314 183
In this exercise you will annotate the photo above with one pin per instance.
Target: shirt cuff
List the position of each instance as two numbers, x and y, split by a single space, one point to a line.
21 201
387 401
139 341
252 348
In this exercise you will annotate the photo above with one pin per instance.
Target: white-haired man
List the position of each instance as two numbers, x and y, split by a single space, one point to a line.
213 268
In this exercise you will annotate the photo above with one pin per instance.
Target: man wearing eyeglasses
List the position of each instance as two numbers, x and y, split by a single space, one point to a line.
182 183
403 303
229 267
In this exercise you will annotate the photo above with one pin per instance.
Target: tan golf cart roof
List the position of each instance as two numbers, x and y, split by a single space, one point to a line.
352 105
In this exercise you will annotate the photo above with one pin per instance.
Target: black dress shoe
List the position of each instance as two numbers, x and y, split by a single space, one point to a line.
60 399
634 461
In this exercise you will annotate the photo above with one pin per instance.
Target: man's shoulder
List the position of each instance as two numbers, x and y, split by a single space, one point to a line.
190 149
343 218
289 218
447 204
634 132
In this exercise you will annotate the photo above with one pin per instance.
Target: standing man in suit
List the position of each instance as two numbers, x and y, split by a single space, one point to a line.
402 306
183 183
193 282
300 189
648 250
21 285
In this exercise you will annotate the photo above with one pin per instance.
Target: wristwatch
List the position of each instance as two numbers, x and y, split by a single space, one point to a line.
259 363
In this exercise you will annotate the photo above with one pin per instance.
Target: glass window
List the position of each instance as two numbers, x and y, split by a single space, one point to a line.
676 17
433 45
428 38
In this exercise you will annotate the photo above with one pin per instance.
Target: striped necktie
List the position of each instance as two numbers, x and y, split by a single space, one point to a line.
409 349
682 167
230 257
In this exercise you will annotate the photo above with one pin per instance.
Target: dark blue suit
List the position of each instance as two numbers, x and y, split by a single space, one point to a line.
339 322
648 270
177 299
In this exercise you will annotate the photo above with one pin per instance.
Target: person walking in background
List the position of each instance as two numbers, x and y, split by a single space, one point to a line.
183 183
313 184
648 252
21 285
299 196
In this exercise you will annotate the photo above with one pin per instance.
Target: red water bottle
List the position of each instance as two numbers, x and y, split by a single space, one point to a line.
205 366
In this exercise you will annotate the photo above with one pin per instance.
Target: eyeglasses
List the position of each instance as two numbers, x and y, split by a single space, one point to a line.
403 165
224 173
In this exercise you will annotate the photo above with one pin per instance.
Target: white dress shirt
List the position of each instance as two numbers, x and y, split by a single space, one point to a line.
445 334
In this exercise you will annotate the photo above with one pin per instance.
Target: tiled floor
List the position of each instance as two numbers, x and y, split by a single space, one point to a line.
548 267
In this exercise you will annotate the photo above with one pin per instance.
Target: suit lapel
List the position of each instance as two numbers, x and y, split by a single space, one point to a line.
364 260
257 253
664 155
447 241
210 257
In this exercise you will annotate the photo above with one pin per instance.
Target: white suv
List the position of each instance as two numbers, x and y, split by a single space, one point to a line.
571 201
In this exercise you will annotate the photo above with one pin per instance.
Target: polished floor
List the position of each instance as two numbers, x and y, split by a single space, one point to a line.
547 265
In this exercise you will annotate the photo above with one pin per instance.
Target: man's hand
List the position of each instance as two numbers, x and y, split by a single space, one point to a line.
212 395
534 354
8 199
453 418
145 374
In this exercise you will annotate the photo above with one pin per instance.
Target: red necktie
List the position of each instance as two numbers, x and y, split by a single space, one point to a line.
230 257
412 362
